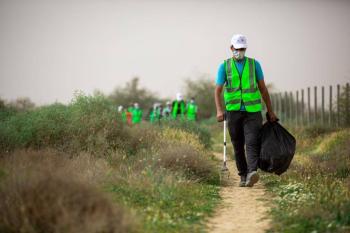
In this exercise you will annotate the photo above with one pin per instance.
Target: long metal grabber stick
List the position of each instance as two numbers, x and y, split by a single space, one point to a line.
224 167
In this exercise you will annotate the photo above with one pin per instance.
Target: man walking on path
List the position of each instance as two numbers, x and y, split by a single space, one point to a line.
243 81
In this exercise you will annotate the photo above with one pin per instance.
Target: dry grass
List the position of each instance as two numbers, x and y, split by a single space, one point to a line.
183 157
48 192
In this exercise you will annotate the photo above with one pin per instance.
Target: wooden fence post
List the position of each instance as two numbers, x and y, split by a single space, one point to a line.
315 96
276 107
338 105
308 107
330 106
286 105
302 107
322 105
281 107
347 109
291 106
271 98
274 100
297 110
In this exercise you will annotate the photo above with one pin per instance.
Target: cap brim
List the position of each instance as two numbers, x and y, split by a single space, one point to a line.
240 46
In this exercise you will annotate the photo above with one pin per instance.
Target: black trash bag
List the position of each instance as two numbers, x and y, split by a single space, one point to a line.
277 148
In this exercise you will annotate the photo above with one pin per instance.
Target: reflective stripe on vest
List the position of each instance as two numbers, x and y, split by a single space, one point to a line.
177 105
241 87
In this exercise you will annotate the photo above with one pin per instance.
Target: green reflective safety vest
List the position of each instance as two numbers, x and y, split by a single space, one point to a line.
136 114
241 88
176 106
191 112
154 115
124 116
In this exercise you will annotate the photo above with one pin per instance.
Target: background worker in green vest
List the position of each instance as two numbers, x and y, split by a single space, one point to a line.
243 83
191 110
178 107
155 113
136 113
166 110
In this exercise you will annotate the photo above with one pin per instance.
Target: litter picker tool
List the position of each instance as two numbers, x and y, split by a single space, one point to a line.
224 170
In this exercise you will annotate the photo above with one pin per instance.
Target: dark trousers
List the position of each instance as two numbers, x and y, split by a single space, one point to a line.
244 129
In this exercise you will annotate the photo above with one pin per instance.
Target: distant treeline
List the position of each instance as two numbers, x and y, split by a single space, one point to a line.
201 88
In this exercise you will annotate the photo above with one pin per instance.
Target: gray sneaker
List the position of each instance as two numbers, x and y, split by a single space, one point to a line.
252 178
243 181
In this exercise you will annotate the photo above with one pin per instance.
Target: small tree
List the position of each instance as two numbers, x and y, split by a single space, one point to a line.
202 89
22 104
132 93
344 106
2 104
6 110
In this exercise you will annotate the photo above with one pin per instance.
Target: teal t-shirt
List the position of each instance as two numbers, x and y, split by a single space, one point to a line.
221 77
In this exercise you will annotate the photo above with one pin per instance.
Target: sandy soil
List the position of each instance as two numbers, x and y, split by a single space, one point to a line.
242 210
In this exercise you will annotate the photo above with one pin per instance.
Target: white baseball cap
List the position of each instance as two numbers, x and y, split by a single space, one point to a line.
179 96
239 41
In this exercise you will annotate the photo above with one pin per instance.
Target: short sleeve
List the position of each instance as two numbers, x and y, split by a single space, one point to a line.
258 71
221 76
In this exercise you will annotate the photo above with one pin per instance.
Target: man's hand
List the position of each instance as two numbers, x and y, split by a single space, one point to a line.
220 116
272 116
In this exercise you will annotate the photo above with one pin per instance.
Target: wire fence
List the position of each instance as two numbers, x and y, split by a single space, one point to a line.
314 106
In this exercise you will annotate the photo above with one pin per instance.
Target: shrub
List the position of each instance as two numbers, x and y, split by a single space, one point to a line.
191 127
89 123
182 157
47 197
202 89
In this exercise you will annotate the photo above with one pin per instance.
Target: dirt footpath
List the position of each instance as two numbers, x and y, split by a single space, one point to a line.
242 210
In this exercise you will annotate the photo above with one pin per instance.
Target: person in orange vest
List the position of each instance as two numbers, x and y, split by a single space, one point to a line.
129 115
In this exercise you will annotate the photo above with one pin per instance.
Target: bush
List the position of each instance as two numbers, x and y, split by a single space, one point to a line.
182 157
6 111
203 90
40 194
313 131
191 127
89 123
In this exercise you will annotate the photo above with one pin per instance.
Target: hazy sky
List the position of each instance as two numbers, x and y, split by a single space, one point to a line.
50 48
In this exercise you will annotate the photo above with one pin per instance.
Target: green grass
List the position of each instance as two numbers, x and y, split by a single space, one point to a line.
314 195
166 204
